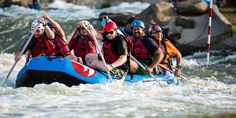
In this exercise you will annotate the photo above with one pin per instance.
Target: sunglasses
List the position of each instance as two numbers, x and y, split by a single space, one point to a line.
111 32
154 32
82 28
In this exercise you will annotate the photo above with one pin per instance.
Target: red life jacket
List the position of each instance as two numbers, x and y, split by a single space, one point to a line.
61 48
109 56
139 50
84 46
43 45
129 42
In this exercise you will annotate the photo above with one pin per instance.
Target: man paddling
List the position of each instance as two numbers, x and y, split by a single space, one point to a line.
168 49
41 43
144 49
115 51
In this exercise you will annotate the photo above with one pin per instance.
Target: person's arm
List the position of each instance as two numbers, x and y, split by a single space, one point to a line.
57 27
120 61
92 33
178 64
174 52
99 35
157 54
50 34
122 50
178 60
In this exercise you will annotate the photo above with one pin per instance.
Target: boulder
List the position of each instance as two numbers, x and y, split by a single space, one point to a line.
175 33
185 22
190 33
191 7
196 39
121 19
163 12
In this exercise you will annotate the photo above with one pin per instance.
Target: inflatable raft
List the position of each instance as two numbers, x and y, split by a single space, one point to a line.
48 69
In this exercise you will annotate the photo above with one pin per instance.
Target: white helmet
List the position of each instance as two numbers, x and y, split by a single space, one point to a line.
35 23
85 24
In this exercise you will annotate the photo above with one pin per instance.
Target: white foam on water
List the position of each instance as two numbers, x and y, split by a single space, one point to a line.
61 4
138 100
69 11
135 7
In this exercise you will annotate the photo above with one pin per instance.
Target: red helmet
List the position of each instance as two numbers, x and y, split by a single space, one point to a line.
109 26
155 28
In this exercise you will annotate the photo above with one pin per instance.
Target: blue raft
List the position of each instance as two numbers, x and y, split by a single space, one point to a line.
47 69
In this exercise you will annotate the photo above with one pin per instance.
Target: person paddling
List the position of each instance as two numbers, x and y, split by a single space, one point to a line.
144 49
82 43
115 51
61 47
167 48
41 43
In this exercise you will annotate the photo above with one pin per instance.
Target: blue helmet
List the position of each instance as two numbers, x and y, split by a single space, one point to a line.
137 23
105 20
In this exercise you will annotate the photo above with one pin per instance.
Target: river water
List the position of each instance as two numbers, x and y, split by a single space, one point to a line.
207 91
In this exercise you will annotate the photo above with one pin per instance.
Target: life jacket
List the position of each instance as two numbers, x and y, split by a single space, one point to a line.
84 45
139 50
61 48
109 55
109 52
43 45
129 42
166 59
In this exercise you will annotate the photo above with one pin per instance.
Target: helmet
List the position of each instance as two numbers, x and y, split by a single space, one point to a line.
137 23
84 23
155 28
36 23
105 21
109 26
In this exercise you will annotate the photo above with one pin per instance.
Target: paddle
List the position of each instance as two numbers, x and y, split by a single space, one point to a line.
20 55
172 71
145 69
76 30
101 55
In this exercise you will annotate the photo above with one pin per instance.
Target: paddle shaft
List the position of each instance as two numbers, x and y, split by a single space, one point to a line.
101 55
74 33
145 69
20 55
13 66
172 71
